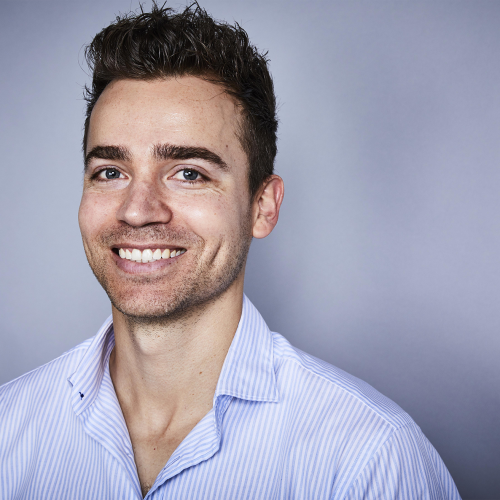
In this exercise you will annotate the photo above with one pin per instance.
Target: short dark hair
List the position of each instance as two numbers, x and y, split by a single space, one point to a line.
164 43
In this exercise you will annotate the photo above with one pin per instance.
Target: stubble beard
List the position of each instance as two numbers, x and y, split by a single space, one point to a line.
172 301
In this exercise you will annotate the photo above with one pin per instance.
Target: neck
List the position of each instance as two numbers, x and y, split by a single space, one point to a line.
161 368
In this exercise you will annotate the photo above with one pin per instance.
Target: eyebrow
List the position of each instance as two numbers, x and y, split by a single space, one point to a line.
160 152
171 152
107 153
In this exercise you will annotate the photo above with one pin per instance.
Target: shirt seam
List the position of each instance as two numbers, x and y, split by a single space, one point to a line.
377 452
393 426
63 355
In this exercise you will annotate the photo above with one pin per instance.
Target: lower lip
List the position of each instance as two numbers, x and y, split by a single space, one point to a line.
132 267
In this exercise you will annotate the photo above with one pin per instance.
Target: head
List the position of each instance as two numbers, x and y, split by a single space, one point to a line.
179 145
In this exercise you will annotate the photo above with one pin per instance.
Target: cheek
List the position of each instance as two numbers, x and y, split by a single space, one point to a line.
216 218
92 215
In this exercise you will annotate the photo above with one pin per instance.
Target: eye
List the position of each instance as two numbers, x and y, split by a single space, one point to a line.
102 177
110 173
188 174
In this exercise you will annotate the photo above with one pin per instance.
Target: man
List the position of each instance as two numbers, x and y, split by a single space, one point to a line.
184 392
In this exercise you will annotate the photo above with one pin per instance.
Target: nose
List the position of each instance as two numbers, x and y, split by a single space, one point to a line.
145 203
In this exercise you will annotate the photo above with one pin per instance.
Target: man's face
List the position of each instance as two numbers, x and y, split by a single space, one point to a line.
165 173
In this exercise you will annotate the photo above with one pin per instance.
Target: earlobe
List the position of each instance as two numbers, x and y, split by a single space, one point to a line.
267 206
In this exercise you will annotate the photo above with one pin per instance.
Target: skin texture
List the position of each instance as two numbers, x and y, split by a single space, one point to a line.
174 319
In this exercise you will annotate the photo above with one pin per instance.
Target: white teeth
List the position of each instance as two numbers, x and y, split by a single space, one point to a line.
136 255
147 256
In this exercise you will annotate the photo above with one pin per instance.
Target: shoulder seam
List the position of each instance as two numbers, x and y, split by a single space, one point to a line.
63 355
395 427
378 451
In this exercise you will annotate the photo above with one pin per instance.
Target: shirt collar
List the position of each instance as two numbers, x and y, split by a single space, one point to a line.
248 370
87 378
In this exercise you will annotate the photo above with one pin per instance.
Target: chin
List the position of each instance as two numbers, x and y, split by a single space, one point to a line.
159 308
150 303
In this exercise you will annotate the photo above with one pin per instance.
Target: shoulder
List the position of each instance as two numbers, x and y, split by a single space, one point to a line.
406 466
41 383
299 370
367 442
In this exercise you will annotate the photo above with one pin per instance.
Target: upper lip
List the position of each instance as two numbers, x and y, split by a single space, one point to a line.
150 246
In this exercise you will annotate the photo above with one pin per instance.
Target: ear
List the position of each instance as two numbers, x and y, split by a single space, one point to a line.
266 206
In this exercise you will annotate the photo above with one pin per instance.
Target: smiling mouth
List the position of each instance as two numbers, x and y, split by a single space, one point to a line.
148 255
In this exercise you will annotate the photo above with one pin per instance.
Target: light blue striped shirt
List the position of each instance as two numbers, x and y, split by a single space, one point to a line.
284 425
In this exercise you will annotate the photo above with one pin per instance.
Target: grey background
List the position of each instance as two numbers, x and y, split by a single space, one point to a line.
385 261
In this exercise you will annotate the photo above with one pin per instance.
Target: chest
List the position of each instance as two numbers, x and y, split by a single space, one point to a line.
152 450
252 451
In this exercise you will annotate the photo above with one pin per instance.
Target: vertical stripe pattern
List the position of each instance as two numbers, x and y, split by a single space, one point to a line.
284 425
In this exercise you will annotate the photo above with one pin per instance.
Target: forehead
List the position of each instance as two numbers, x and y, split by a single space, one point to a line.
182 111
